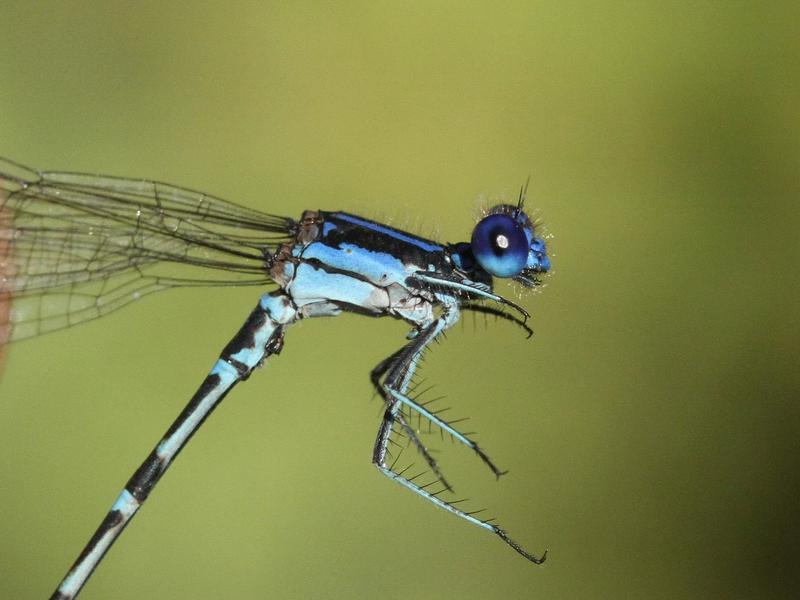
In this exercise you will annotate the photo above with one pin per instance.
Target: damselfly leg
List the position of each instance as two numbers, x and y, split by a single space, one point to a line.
399 373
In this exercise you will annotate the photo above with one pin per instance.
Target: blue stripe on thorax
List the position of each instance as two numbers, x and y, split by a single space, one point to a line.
421 243
381 268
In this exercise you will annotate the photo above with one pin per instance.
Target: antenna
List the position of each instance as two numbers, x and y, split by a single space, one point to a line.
523 191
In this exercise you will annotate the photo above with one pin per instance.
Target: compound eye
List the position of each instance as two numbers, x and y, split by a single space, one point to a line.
500 245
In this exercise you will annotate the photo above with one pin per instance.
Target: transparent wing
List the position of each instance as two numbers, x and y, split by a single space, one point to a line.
74 247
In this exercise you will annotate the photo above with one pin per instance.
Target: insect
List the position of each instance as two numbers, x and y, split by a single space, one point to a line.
74 247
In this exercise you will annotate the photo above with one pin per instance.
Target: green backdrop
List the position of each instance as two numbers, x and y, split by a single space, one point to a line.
650 426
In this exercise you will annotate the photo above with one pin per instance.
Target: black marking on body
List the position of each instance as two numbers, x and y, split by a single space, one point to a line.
274 345
150 471
146 477
242 370
245 338
375 240
113 519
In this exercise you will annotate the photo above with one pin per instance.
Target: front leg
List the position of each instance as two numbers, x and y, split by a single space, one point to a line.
465 287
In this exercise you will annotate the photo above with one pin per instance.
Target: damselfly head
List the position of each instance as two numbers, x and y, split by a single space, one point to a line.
504 245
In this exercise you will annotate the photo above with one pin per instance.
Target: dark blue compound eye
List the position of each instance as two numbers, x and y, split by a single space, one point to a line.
500 245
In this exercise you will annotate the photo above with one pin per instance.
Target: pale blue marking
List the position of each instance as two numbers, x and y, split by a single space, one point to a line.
124 502
223 369
249 356
72 583
277 308
167 448
127 505
380 268
312 284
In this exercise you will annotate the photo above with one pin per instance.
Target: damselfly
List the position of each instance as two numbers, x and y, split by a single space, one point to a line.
74 247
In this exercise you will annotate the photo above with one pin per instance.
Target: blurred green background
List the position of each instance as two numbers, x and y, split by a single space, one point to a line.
650 426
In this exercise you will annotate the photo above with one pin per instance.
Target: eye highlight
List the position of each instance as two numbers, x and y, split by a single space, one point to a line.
500 245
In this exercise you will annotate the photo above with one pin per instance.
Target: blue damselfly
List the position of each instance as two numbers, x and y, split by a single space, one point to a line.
74 247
